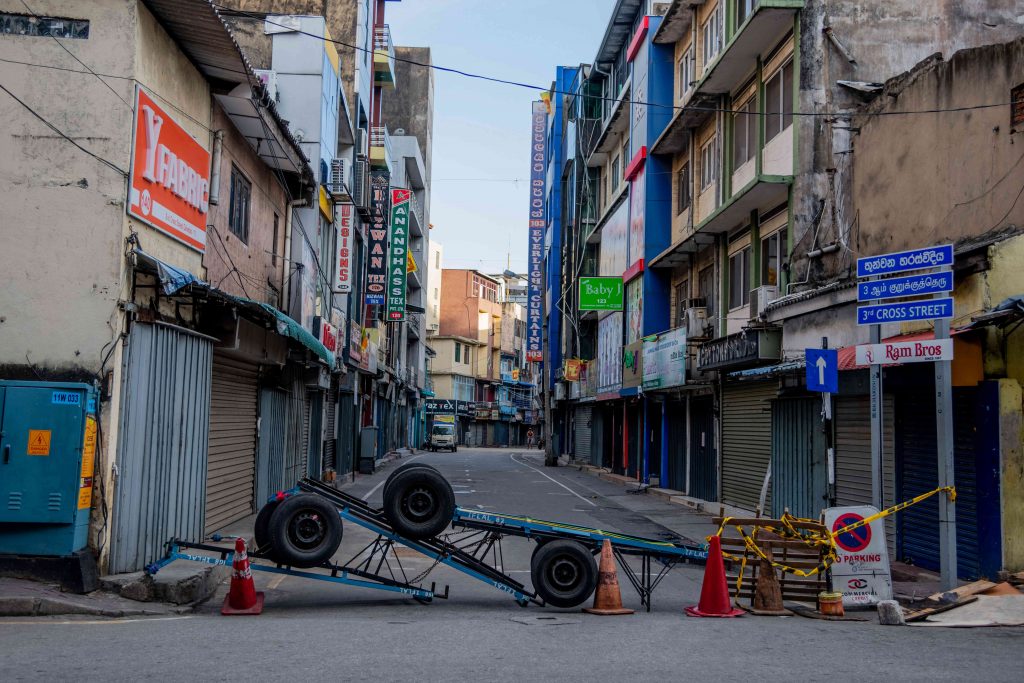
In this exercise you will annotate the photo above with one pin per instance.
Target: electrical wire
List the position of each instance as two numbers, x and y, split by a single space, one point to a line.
554 91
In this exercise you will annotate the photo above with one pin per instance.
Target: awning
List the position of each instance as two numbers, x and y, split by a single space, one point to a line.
174 279
770 370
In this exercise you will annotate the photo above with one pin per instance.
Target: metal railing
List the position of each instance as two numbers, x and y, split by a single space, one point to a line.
382 43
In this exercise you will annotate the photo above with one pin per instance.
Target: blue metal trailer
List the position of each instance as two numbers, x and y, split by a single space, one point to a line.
472 548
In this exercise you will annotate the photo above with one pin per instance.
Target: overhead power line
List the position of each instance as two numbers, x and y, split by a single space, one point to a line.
530 86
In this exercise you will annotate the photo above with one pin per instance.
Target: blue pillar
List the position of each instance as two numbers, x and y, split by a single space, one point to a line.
663 477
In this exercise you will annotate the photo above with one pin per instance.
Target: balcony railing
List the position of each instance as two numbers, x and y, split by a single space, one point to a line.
380 147
383 57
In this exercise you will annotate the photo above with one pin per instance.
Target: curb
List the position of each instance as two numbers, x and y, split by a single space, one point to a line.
46 607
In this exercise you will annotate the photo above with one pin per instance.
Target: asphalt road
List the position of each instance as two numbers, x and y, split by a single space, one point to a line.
312 630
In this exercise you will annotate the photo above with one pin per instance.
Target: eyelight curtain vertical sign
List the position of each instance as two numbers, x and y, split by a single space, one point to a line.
376 265
398 260
169 186
534 318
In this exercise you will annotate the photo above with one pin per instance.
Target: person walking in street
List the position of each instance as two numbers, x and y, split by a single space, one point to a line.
529 438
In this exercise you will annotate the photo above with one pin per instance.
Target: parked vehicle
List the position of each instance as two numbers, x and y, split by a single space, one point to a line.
443 436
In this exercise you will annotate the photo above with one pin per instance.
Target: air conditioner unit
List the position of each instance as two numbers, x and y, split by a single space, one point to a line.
340 180
695 320
361 183
269 80
760 298
361 148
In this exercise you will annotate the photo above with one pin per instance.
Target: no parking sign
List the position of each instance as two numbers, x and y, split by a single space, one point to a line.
861 572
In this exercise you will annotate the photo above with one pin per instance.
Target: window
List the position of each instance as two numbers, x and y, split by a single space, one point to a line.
614 178
458 352
238 213
437 260
773 255
779 101
744 133
683 188
687 71
709 163
436 294
712 35
706 290
31 25
273 256
739 278
464 388
682 293
744 8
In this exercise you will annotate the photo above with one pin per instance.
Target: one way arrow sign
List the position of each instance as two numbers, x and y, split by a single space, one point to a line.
823 370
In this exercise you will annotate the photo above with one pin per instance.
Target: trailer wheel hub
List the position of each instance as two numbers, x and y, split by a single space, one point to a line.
420 503
307 530
564 573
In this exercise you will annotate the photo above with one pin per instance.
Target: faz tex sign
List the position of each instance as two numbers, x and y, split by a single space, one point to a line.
376 264
534 318
399 254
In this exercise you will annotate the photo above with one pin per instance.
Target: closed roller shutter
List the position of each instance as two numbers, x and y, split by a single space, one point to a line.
583 426
853 457
231 463
746 442
703 457
799 463
330 429
270 464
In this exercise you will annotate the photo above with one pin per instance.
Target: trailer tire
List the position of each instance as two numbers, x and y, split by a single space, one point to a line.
402 468
261 527
305 531
419 502
564 573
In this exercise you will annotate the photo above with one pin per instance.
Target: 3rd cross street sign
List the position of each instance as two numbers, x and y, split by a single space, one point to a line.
905 311
601 294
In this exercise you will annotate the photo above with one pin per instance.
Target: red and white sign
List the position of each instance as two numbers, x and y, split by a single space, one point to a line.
343 226
922 351
170 175
861 572
327 334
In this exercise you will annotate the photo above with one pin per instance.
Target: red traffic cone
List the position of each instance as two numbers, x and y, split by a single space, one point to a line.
607 597
714 593
242 597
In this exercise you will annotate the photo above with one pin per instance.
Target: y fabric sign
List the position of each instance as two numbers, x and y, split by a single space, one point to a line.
169 183
376 266
538 166
398 261
823 370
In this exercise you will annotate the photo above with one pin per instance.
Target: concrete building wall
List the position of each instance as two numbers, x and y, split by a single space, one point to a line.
433 297
411 106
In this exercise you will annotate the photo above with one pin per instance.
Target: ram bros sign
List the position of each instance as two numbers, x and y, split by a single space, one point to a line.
169 180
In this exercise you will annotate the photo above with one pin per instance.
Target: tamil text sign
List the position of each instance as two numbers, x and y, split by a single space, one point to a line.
377 244
894 288
923 351
535 293
398 261
169 182
601 294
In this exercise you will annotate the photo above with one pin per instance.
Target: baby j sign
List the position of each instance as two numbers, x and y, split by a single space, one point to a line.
170 175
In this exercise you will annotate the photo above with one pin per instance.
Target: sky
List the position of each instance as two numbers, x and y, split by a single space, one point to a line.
479 197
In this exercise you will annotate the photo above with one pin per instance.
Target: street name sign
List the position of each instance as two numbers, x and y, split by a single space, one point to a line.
601 294
905 311
861 570
894 288
926 350
900 261
823 370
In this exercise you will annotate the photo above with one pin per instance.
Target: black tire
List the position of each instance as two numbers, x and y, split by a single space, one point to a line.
455 449
564 573
419 503
403 468
261 528
305 531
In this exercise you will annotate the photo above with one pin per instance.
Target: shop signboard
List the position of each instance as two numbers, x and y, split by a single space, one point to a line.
535 291
398 259
601 293
923 351
632 365
343 232
665 360
169 176
377 242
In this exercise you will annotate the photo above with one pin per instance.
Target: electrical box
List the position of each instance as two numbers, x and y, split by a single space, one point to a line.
48 441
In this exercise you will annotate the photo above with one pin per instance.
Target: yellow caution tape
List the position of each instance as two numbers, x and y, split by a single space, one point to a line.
825 539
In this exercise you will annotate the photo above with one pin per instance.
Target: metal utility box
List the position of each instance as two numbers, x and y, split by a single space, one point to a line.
47 456
368 449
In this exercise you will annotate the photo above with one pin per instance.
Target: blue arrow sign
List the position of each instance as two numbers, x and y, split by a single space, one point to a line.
929 283
823 370
897 262
905 311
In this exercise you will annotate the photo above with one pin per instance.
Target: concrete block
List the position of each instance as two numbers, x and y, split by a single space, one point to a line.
18 606
890 613
54 606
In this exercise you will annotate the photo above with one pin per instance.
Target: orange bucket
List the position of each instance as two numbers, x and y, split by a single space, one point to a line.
831 604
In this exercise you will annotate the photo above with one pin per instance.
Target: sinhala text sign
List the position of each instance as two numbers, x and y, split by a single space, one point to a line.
169 186
601 294
861 572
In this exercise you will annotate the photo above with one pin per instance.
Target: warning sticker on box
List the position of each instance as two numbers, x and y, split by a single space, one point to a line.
39 441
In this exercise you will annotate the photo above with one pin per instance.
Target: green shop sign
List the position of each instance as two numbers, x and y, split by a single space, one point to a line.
398 257
600 293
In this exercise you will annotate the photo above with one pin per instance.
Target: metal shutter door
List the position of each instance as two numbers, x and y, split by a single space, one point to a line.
853 457
799 474
330 428
270 464
583 420
703 457
746 443
231 460
917 470
675 414
161 450
295 445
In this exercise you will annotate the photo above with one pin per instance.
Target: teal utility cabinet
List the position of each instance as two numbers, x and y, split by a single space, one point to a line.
48 436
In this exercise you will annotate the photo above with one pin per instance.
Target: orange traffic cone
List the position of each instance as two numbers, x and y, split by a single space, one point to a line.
607 597
714 594
242 597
